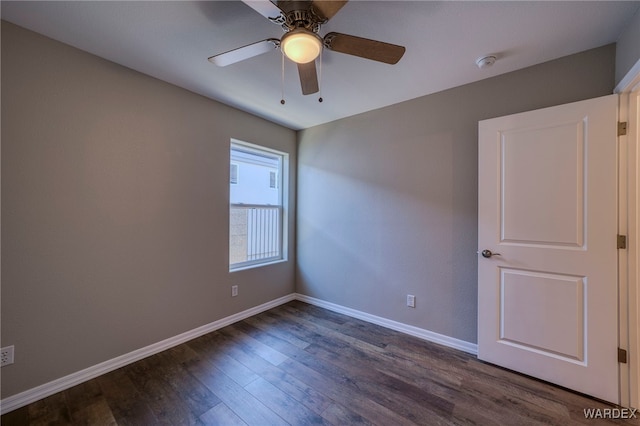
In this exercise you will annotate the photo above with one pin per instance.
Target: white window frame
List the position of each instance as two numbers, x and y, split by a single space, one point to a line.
283 188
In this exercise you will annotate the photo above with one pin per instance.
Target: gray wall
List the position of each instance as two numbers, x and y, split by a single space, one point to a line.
115 210
387 200
628 47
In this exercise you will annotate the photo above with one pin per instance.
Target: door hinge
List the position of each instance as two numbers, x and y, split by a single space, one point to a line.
622 356
622 241
622 128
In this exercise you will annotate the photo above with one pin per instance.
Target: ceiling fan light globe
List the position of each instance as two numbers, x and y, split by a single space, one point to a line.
301 46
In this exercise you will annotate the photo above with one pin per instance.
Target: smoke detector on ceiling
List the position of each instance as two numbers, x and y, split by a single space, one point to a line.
486 61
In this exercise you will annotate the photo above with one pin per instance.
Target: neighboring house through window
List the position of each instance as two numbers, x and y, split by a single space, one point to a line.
256 216
273 180
233 171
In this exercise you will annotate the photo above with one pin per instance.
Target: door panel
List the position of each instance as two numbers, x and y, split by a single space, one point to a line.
548 209
557 333
542 180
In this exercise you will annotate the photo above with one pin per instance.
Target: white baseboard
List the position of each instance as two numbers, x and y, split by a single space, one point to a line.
35 394
421 333
32 395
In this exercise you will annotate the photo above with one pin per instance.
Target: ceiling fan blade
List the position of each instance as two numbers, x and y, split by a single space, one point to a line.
244 52
308 77
364 48
327 8
266 9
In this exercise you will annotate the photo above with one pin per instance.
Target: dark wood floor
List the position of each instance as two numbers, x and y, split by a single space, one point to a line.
299 364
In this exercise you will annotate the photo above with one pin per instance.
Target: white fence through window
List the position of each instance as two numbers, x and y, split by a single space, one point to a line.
254 233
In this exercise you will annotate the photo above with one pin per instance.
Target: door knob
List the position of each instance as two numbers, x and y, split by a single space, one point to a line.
488 253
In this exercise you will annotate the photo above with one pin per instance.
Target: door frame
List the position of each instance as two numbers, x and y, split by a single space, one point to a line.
629 224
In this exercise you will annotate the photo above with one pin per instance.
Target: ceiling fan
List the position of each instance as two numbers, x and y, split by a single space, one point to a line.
301 22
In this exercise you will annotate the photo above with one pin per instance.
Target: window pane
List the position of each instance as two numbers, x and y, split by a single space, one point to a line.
256 213
255 234
257 169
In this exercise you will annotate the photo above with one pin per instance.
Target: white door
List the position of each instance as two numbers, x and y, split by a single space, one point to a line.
547 212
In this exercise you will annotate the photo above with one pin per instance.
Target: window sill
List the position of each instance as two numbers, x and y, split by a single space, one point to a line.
256 265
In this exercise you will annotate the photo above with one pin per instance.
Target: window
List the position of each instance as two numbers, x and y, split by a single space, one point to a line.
256 215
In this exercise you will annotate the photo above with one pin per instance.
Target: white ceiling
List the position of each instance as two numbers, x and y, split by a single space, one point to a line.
172 41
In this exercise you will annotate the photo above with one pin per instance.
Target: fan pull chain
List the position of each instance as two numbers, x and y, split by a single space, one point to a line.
320 77
282 81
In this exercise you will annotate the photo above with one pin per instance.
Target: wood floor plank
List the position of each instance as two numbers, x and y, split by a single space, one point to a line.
237 371
166 404
221 415
337 390
234 396
413 403
338 414
305 309
126 402
352 399
88 406
299 364
183 354
312 330
306 395
50 410
192 392
357 329
96 412
284 405
268 353
16 417
277 328
246 333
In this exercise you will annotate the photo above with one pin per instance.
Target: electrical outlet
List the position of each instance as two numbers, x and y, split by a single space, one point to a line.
411 301
234 290
6 356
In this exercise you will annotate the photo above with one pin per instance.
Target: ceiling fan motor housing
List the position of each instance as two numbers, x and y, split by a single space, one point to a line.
300 18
